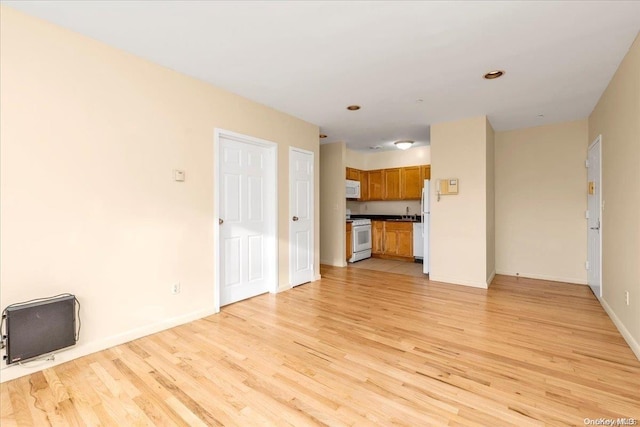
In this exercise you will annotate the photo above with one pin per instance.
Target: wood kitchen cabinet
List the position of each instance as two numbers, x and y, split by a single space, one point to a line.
411 183
391 184
377 234
364 186
375 184
353 174
392 240
425 171
348 243
398 239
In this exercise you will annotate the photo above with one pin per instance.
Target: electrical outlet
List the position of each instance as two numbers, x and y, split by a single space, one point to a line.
175 288
626 297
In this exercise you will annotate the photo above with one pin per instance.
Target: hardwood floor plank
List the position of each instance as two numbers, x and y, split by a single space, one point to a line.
20 403
361 348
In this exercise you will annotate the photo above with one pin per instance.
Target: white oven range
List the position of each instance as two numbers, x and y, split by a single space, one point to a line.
361 239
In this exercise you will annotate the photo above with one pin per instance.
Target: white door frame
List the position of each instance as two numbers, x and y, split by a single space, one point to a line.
598 189
271 210
311 214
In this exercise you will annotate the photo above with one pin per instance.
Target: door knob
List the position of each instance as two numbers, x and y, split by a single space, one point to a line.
295 218
220 221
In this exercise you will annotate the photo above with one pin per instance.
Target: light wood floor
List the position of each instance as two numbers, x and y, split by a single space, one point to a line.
358 347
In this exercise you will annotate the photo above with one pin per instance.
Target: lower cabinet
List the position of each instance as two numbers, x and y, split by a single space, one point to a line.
348 245
377 237
392 239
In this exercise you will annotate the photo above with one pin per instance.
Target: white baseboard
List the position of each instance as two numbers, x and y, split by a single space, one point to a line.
334 263
11 372
635 347
457 281
544 277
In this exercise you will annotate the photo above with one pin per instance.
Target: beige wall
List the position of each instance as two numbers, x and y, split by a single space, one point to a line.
332 210
90 136
541 202
356 159
490 203
389 159
458 244
617 118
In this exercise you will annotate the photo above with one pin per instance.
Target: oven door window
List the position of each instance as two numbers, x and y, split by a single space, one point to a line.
362 238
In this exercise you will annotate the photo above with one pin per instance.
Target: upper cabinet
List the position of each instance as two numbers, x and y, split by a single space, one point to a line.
391 184
425 172
375 185
364 185
392 188
353 174
411 179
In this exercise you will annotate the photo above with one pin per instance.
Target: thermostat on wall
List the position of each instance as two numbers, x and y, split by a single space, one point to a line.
448 186
178 175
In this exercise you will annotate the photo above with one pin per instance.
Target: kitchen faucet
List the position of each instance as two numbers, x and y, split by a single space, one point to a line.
407 216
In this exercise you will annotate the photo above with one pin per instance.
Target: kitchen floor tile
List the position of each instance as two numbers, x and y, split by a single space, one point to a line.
391 266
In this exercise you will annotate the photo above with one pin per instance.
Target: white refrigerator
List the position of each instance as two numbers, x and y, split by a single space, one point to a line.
425 213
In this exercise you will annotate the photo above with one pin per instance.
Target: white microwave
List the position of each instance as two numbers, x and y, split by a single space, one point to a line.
353 189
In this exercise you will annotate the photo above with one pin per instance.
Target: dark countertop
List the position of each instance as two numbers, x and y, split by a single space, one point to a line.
386 217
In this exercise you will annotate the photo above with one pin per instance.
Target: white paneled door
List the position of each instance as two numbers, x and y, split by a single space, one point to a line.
301 252
246 219
594 223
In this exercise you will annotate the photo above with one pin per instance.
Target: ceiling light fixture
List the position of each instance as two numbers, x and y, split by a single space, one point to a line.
404 144
322 135
353 107
494 74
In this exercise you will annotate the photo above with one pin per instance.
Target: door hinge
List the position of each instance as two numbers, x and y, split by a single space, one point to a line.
586 265
586 163
586 214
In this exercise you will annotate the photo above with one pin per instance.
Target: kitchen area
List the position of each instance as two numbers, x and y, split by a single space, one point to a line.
387 219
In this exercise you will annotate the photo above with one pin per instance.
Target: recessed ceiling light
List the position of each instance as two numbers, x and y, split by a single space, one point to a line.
494 74
540 116
419 100
404 144
353 107
375 147
322 135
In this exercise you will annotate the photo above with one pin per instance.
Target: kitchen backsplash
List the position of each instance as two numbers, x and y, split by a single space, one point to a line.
384 208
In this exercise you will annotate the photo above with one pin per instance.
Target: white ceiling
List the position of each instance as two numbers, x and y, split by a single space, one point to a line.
312 59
